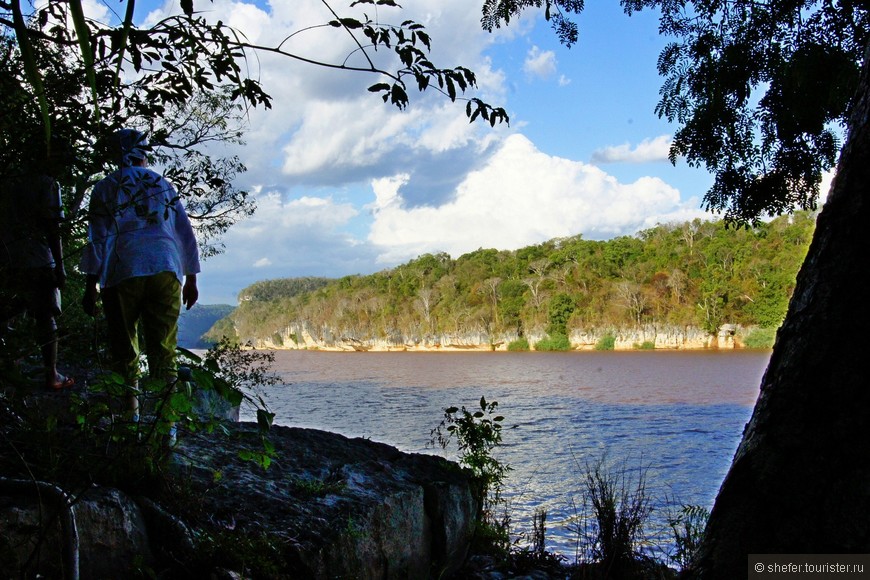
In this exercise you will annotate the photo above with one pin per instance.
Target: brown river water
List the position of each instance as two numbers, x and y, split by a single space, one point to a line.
676 416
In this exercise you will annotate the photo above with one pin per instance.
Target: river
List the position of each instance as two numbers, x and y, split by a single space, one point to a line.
676 416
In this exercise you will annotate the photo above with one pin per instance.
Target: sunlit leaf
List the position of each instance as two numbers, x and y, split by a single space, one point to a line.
189 354
30 66
84 37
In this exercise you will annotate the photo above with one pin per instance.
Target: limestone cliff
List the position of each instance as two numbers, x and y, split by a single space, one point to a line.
301 337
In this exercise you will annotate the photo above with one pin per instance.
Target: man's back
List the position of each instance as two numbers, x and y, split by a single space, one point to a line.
139 227
29 206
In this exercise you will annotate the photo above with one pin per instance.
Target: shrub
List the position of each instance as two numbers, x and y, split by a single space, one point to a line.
615 510
687 526
646 345
606 342
760 338
555 342
518 345
561 308
478 434
92 438
313 487
535 557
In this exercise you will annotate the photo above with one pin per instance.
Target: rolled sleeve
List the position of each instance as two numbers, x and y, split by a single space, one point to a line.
188 248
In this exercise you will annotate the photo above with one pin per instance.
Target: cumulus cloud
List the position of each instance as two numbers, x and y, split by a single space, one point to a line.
423 179
648 150
540 63
95 10
286 237
325 128
521 197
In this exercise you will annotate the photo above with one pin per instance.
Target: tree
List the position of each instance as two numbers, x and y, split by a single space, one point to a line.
799 480
148 77
184 81
662 283
187 83
144 72
559 313
763 92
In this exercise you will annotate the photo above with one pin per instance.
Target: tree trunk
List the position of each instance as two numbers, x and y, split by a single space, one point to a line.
800 479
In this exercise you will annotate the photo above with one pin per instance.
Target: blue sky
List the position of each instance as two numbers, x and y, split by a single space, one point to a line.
348 185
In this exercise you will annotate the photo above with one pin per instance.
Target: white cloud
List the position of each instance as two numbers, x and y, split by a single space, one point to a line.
344 134
303 236
521 197
540 63
95 10
648 150
439 183
324 127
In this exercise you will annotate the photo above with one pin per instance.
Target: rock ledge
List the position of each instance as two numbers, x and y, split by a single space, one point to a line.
327 507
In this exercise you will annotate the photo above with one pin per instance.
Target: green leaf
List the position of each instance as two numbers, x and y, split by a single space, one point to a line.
180 402
189 354
203 379
264 419
349 23
235 397
119 43
398 96
84 37
30 66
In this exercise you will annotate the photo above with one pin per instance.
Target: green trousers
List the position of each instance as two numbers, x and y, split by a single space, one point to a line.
153 302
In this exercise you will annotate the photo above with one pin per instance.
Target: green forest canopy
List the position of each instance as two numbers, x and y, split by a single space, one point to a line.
699 273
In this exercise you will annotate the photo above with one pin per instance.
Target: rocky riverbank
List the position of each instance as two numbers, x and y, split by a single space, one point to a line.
327 507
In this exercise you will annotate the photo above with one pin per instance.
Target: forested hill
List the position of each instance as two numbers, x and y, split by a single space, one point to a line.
697 274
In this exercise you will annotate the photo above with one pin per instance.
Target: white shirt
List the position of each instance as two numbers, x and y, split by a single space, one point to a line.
138 227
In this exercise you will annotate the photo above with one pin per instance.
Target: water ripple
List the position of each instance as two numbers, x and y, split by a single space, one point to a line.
678 416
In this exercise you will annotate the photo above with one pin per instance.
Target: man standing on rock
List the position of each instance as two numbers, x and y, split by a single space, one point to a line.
142 248
31 255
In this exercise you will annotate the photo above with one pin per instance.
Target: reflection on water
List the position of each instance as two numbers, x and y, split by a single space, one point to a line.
680 414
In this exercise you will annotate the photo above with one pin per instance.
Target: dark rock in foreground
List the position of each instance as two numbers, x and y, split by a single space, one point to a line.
327 507
340 507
